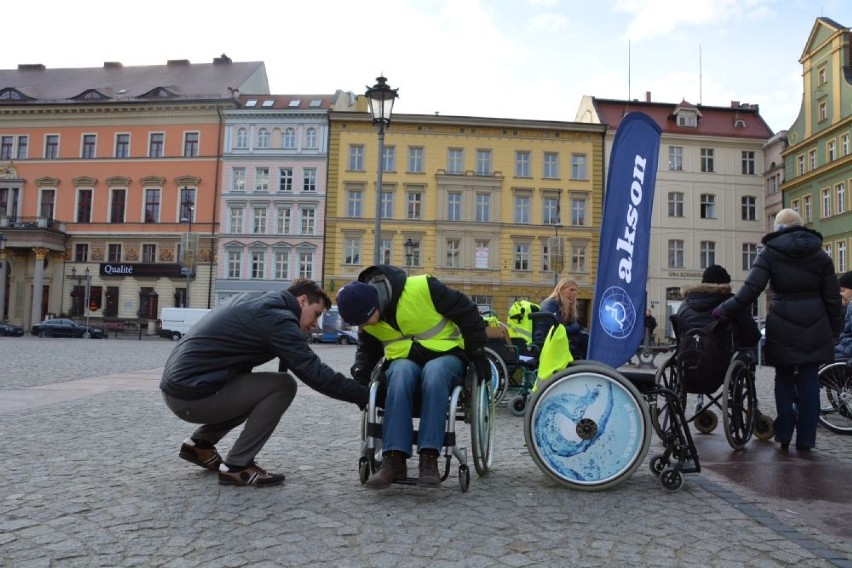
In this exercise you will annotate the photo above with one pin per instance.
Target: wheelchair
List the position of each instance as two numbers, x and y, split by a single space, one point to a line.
835 381
737 401
471 401
516 373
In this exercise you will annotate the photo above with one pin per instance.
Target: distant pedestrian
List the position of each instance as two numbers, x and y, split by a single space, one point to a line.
802 323
650 326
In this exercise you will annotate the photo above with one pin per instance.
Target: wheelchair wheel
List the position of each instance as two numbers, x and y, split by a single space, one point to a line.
764 427
666 377
671 480
836 397
502 382
483 413
464 478
738 401
705 421
517 405
658 464
587 427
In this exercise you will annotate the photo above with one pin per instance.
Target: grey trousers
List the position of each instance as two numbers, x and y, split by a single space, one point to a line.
258 399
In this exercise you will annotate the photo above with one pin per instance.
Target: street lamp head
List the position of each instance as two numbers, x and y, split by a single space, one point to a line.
381 98
73 272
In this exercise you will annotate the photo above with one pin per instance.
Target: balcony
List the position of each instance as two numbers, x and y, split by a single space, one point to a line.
30 232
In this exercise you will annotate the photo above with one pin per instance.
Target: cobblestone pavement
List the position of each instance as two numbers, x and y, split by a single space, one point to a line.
91 477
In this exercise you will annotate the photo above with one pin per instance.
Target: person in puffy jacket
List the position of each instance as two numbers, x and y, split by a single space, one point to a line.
803 321
843 349
208 378
563 303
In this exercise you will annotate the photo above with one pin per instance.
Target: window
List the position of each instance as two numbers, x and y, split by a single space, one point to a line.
415 160
808 213
261 179
675 253
708 253
84 205
522 164
385 251
352 251
823 112
826 203
483 162
309 179
840 261
483 208
454 206
455 161
187 205
481 257
707 158
47 203
748 163
122 145
9 201
844 145
238 182
263 138
152 205
840 198
415 205
522 256
773 184
353 203
89 144
155 144
356 158
413 258
831 150
828 250
821 76
748 206
242 138
550 210
311 138
308 221
190 145
23 145
386 209
113 252
675 158
389 159
289 138
687 120
285 179
285 221
749 255
259 223
578 211
675 204
708 206
282 265
801 160
235 261
6 146
236 219
306 264
578 166
551 165
117 205
258 265
51 146
453 253
522 209
578 259
812 163
81 252
149 253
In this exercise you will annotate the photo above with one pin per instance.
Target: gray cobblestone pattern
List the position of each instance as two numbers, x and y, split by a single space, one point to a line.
91 477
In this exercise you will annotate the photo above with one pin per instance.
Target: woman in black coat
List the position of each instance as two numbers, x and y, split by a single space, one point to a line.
802 324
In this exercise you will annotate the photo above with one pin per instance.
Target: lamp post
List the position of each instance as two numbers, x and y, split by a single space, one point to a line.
188 250
76 294
381 98
408 246
2 277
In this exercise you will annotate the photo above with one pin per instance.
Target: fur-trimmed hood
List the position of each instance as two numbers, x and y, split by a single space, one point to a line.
707 289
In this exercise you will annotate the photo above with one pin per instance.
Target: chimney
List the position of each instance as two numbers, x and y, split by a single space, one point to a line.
735 104
31 67
112 65
221 59
172 62
647 96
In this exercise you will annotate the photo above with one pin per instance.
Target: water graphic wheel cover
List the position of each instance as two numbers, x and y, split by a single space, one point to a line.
588 428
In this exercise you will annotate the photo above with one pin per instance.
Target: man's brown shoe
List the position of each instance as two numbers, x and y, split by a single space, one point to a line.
206 458
429 474
253 474
393 469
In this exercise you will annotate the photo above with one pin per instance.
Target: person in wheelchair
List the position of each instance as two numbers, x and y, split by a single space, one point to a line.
427 332
843 348
562 302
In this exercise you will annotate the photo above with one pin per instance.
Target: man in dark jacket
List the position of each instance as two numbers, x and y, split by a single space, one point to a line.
802 323
208 377
426 332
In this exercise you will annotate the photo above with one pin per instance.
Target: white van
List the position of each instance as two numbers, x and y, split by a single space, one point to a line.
177 321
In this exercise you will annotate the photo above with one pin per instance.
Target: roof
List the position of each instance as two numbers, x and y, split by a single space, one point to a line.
738 120
292 102
178 79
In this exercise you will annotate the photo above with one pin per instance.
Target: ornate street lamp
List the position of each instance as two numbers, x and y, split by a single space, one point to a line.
78 309
381 98
408 246
187 210
2 277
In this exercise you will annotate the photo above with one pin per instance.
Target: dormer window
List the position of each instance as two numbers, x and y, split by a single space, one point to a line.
91 95
11 94
686 115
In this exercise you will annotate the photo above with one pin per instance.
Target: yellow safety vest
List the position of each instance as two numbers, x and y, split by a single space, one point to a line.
418 321
519 322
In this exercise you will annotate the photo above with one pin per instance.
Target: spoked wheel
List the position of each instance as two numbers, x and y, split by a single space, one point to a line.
666 376
836 398
502 377
738 401
483 413
587 427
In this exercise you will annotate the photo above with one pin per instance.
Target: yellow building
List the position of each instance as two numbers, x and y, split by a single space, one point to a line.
497 208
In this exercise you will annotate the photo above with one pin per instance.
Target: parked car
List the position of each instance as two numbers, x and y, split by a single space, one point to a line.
9 330
334 336
61 327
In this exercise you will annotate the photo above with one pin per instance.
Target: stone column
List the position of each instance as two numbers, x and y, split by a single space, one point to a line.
4 260
38 283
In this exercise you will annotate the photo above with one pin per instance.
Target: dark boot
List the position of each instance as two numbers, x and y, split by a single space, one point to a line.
393 469
429 475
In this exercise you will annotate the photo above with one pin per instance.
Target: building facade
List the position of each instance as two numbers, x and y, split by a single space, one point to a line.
499 209
818 161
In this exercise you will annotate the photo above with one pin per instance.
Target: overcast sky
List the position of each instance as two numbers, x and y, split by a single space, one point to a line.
530 59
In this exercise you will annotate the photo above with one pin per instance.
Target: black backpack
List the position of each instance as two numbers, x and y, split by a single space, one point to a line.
702 357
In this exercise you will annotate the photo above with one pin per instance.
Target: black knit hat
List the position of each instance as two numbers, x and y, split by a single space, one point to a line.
845 280
716 274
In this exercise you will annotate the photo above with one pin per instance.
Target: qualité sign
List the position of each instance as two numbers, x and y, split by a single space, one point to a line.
140 269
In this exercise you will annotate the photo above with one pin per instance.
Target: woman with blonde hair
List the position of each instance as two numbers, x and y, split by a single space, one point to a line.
563 303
